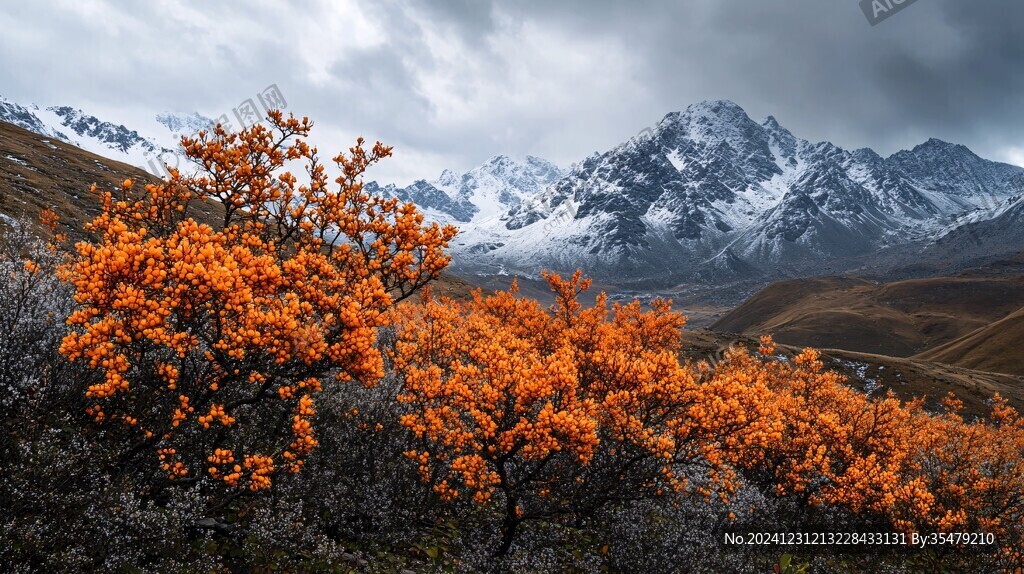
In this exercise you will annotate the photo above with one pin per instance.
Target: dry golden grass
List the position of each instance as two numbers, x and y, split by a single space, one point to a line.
899 319
37 173
998 347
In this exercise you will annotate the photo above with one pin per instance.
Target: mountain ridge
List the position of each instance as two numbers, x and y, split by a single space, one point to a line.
710 195
484 192
147 150
707 196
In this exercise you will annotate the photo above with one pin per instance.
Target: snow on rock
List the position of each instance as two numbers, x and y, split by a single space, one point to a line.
708 195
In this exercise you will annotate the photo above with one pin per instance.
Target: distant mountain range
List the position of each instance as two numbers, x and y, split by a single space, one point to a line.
147 150
710 196
706 197
481 194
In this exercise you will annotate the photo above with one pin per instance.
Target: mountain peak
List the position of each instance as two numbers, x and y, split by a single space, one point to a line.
716 106
711 122
866 154
772 124
775 129
448 178
180 123
26 117
935 144
484 192
707 109
498 159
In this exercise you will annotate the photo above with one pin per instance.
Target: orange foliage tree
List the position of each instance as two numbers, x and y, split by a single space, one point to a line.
879 458
834 445
556 412
967 477
562 411
212 340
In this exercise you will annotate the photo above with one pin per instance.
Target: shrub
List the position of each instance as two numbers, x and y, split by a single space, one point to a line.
213 342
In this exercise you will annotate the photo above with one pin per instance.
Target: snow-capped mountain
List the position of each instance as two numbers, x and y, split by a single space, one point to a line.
480 194
148 150
182 124
980 234
707 196
437 204
25 117
710 195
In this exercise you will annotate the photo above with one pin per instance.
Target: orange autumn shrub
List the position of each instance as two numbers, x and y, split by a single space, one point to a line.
652 404
564 410
879 458
833 445
967 476
556 412
211 341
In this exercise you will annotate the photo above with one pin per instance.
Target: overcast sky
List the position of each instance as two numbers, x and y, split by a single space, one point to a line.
451 83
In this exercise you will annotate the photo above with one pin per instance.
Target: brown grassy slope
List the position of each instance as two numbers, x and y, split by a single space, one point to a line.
452 287
878 374
899 319
37 172
998 347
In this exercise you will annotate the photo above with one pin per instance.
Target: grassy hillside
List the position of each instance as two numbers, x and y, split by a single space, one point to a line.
899 319
37 173
996 347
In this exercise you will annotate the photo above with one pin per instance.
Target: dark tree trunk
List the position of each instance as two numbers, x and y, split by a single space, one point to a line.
509 526
510 523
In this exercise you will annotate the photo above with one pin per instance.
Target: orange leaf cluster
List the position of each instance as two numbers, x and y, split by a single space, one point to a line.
241 320
922 471
506 396
502 381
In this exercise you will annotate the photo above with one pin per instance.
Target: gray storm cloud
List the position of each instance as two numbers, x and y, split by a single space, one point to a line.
452 83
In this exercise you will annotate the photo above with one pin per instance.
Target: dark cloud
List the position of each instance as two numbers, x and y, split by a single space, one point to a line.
452 82
473 19
378 87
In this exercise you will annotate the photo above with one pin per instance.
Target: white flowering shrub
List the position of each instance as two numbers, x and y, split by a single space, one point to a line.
33 307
